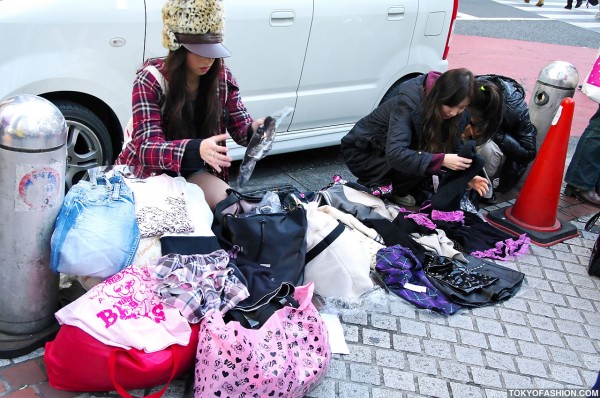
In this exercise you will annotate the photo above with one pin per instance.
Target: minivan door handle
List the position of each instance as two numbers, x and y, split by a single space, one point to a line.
395 13
282 18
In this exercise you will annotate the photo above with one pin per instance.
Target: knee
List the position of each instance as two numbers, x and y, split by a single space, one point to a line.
214 196
214 189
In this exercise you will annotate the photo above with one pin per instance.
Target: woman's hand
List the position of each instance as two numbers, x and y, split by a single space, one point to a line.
479 184
214 154
257 123
454 162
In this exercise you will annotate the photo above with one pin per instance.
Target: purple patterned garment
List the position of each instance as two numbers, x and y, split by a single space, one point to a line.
421 219
398 266
452 216
506 249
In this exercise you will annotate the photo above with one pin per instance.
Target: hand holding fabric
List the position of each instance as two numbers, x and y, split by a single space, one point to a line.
453 161
260 144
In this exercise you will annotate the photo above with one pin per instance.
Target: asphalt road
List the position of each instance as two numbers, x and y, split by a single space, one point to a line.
509 22
313 169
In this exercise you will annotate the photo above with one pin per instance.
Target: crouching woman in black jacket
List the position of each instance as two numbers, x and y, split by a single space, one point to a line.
410 138
513 143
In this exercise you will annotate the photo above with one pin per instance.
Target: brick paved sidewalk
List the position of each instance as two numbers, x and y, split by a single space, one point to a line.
544 337
547 336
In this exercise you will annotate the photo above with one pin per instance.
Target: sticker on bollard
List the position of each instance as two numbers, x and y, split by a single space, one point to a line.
37 188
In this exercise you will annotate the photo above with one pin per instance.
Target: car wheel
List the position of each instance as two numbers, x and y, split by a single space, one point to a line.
88 141
395 89
392 92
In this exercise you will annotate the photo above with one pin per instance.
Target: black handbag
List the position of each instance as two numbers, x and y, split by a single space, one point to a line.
594 266
274 240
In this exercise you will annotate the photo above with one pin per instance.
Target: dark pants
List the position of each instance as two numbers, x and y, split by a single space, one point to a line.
372 169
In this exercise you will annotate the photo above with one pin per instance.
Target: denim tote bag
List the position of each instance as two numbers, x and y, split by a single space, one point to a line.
96 233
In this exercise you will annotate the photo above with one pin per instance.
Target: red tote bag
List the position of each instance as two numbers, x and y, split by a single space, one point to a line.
76 361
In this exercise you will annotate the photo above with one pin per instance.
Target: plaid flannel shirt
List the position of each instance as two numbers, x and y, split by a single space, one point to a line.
149 152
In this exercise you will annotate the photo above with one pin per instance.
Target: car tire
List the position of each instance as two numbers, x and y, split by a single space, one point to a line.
395 89
88 141
392 92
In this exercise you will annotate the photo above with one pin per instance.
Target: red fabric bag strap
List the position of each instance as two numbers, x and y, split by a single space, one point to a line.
112 370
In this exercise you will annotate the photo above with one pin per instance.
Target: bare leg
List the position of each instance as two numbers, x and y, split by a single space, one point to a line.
213 187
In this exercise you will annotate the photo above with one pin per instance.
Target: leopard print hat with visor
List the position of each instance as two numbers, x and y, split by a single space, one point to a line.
197 25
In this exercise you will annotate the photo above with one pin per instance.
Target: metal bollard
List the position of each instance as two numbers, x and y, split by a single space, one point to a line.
556 81
33 136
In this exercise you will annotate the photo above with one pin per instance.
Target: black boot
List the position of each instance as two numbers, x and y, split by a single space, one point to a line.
579 3
569 4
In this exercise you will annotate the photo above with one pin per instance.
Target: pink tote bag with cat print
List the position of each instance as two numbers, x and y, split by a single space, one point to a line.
286 357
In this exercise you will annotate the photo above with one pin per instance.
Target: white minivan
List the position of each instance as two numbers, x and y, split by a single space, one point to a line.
332 60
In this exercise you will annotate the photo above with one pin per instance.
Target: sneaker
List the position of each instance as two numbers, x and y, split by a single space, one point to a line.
489 201
407 200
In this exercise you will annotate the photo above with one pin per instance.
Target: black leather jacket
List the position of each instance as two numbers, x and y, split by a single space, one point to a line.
516 136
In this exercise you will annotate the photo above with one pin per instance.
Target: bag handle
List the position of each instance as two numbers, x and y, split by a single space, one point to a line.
265 312
255 319
233 198
158 76
301 299
324 244
304 295
592 221
112 370
242 196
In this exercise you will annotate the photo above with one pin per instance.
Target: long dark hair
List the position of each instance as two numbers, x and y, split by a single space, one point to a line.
450 89
188 117
487 106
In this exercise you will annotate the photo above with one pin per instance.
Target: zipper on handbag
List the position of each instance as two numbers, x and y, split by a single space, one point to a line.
262 236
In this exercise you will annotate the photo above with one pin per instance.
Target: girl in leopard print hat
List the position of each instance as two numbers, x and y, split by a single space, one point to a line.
184 104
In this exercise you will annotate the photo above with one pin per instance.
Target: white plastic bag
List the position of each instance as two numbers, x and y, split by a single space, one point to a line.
261 143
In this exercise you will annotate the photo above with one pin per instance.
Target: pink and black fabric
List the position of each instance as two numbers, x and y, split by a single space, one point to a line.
286 357
480 239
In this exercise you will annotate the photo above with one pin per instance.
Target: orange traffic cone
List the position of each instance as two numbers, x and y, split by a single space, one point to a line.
535 209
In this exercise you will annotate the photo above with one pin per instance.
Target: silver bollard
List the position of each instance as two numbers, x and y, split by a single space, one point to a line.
33 137
556 81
